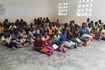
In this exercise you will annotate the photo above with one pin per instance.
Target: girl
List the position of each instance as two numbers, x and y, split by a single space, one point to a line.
55 38
46 44
8 41
100 24
50 30
74 35
58 29
6 38
85 36
65 26
95 33
47 22
97 26
6 24
90 26
77 36
63 36
12 28
38 44
71 31
22 38
55 42
31 35
88 20
38 30
22 41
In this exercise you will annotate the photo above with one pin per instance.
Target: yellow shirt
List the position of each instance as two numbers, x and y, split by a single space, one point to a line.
89 29
50 31
103 31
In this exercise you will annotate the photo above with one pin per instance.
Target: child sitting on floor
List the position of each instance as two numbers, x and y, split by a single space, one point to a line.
55 38
50 29
8 41
90 26
6 38
55 42
38 44
6 24
84 33
58 29
63 36
22 38
100 24
95 33
77 36
31 35
74 35
38 30
12 28
22 41
46 44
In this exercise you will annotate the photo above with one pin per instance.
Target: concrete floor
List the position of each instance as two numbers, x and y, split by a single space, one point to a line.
84 58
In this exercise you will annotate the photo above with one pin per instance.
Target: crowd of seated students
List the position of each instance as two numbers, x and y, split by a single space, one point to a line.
46 36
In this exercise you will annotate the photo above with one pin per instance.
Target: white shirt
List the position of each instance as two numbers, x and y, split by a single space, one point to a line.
7 40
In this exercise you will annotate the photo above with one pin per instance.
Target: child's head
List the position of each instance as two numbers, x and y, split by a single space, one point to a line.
64 31
96 24
84 25
73 21
31 29
100 22
57 20
17 20
45 33
91 22
88 20
21 30
6 20
58 25
47 20
12 24
6 34
77 28
21 20
66 24
70 23
37 37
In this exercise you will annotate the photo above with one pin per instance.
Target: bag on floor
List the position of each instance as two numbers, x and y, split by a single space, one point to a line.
55 46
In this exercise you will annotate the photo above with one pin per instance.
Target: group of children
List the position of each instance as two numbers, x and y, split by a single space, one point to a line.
46 36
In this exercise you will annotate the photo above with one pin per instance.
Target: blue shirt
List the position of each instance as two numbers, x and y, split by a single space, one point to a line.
83 30
63 36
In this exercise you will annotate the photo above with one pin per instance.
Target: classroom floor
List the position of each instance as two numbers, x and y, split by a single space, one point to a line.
84 58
